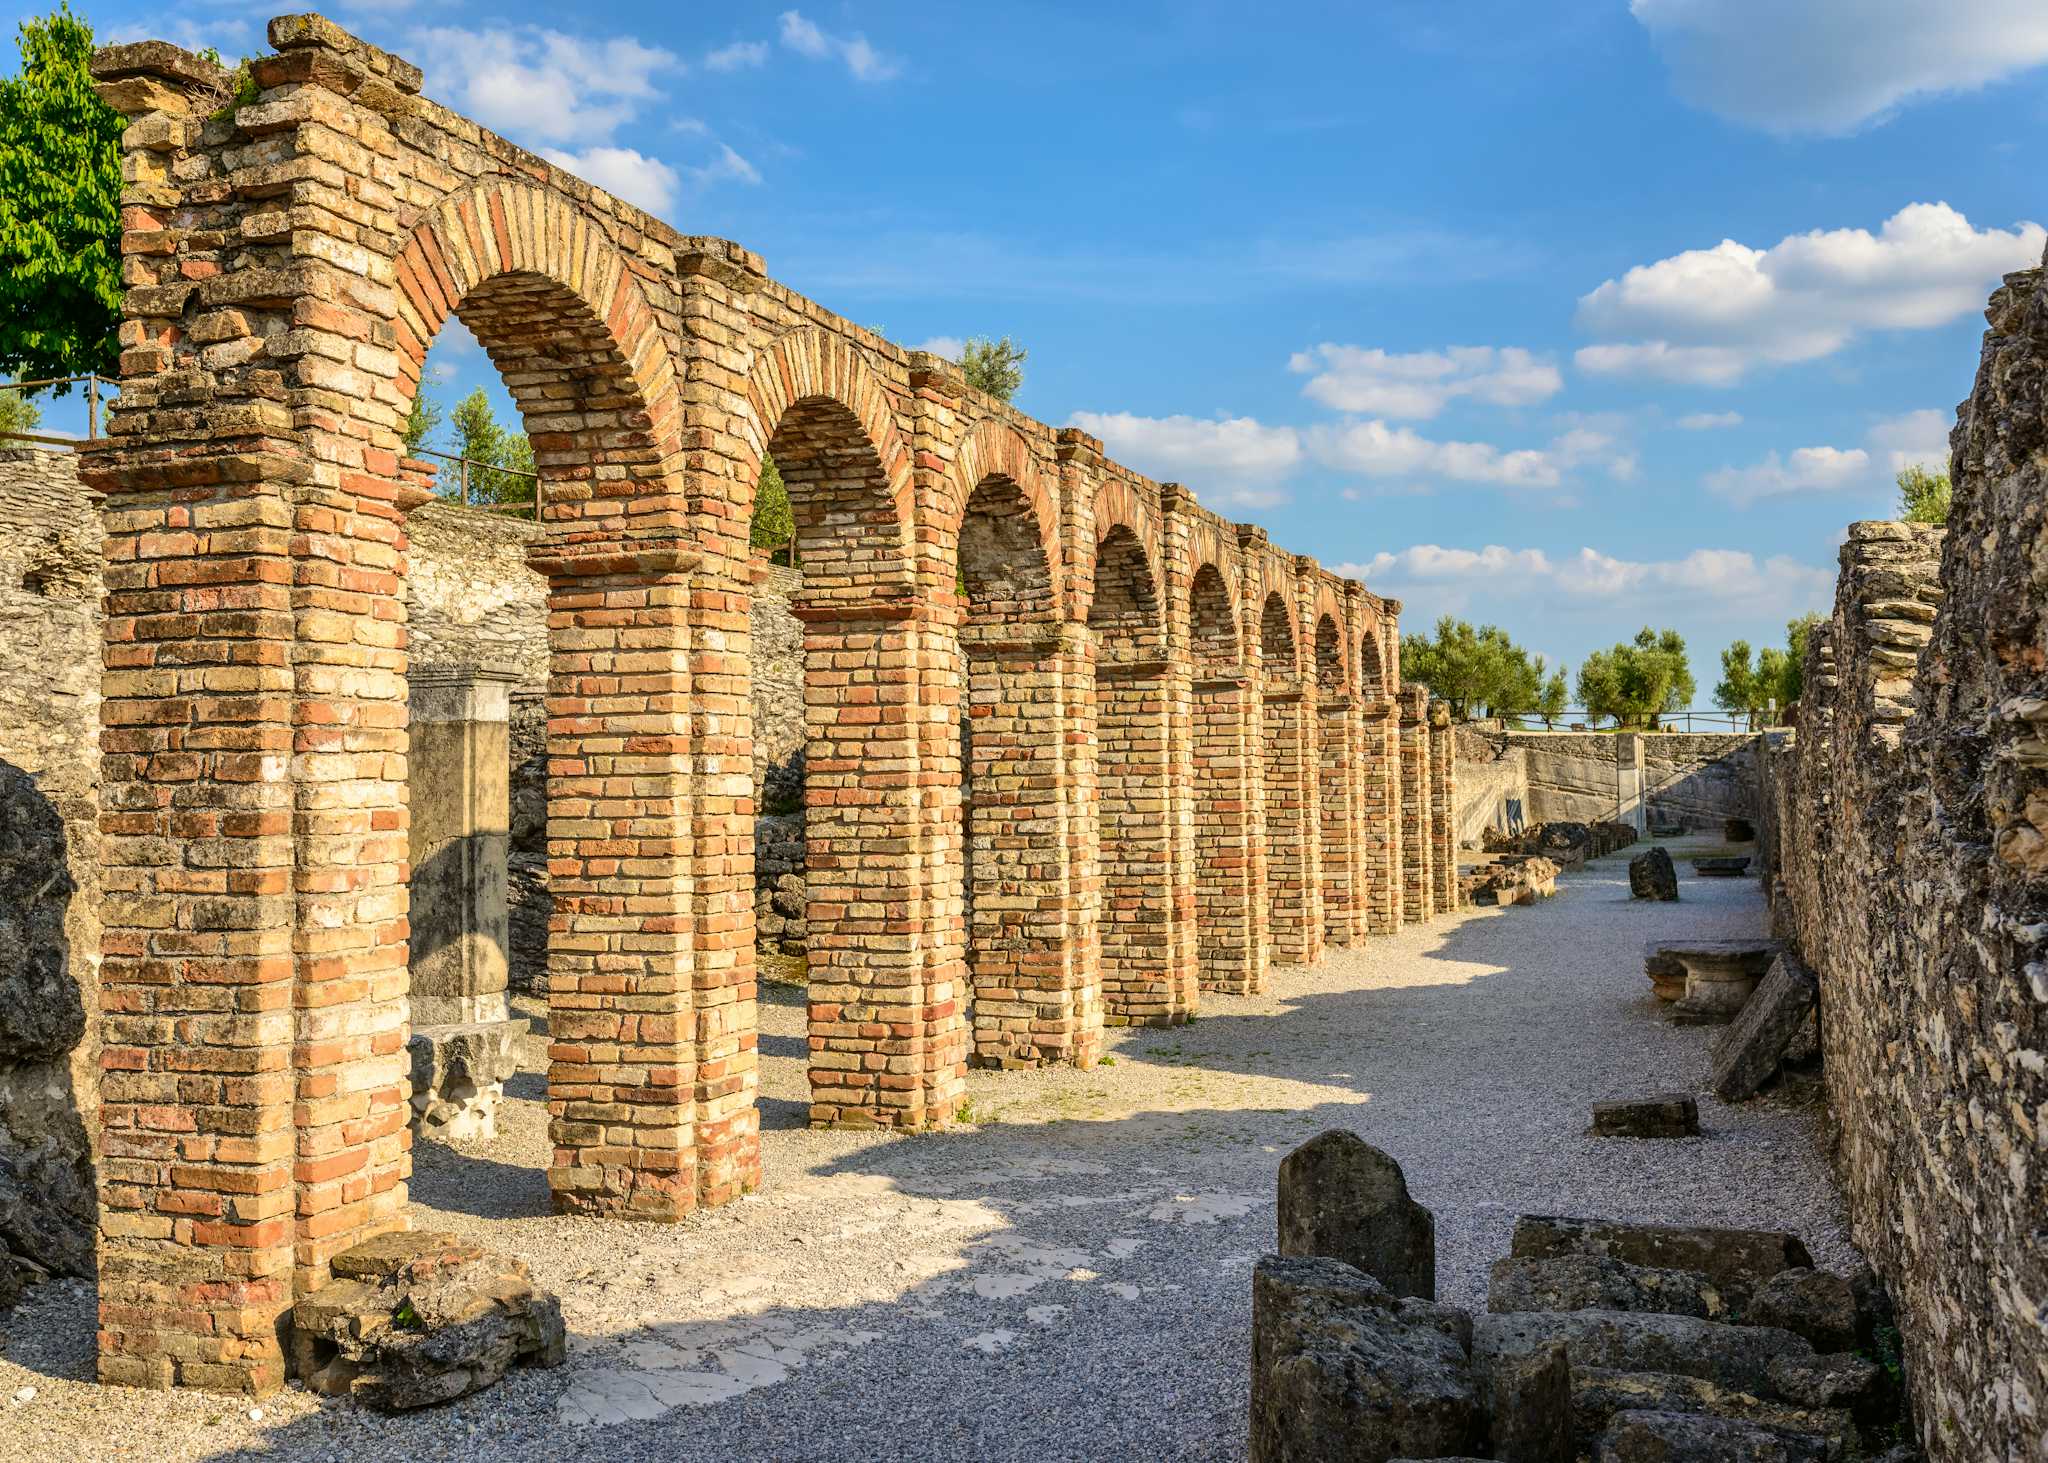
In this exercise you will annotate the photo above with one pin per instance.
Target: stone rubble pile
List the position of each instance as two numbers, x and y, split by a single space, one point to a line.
1625 1343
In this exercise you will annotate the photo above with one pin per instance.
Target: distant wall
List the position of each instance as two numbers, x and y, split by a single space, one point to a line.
1693 779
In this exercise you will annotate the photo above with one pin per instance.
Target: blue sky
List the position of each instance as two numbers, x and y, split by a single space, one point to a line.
1569 316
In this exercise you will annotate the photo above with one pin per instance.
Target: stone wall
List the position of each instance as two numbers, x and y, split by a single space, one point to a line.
470 596
1907 823
49 864
1691 779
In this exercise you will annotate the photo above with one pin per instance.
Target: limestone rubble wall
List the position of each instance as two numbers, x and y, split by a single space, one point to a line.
1696 779
1906 824
49 859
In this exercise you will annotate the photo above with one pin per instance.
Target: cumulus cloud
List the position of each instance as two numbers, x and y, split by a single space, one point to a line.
1708 421
949 346
861 59
1916 439
541 84
1375 449
1806 470
1708 316
1227 461
1419 384
642 181
1829 66
739 56
1593 577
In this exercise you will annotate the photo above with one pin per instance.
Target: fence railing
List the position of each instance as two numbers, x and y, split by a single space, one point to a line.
465 464
92 381
1689 721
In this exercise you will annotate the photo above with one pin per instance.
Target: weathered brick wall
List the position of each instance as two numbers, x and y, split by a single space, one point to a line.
1908 816
49 862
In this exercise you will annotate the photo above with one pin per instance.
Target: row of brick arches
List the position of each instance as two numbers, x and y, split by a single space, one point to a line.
1078 749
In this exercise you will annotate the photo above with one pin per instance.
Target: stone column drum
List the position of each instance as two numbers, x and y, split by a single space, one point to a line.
462 1042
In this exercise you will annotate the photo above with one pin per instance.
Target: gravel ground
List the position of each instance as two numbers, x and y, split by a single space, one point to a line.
1070 1277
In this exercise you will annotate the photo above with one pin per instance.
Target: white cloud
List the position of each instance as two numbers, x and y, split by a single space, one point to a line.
1418 385
1227 461
949 346
1917 439
863 61
1375 449
739 56
1438 573
728 166
1708 421
540 84
1807 470
1828 66
642 181
1708 316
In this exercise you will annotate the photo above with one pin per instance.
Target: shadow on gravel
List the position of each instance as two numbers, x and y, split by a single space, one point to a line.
470 1183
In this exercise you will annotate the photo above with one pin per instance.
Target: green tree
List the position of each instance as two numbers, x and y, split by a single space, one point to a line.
1793 679
17 412
490 448
1475 672
422 420
1743 690
1638 680
60 198
993 366
1550 704
1923 496
774 521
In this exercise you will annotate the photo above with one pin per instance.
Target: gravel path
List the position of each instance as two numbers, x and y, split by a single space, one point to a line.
1069 1278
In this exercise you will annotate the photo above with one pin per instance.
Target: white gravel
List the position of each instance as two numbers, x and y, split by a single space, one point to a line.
1071 1277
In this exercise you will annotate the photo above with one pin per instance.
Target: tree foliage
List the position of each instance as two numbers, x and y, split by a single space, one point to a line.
1772 682
1923 496
1638 680
1476 672
774 521
475 433
993 366
17 413
60 219
422 420
1552 700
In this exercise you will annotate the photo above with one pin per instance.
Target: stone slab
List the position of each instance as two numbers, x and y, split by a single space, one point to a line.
1756 1043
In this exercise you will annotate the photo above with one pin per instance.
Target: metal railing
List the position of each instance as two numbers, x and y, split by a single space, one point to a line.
1718 721
92 381
466 463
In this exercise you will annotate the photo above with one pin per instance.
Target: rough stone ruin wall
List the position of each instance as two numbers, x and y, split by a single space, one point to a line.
49 865
1693 780
1907 830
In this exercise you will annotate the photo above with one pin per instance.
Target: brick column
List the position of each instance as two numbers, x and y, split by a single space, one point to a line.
1294 923
1379 766
1337 770
1144 971
887 1019
1417 881
1230 896
1443 823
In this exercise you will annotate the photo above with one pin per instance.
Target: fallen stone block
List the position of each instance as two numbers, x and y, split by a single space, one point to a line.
1593 1283
1720 975
412 1319
1720 867
1737 1261
1598 1393
1672 1115
1678 1437
1532 1407
458 1078
1343 1199
1756 1043
1812 1303
1344 1369
1666 972
1652 876
1838 1380
1635 1341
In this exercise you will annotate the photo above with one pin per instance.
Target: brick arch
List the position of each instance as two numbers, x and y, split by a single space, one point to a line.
1276 635
992 449
1372 672
808 373
551 300
1117 505
1329 649
1212 614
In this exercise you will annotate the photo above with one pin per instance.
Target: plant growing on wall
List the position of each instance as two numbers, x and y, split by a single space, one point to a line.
60 200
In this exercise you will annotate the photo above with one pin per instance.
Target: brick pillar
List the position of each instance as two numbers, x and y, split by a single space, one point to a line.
1144 975
622 1057
1379 767
887 1019
1230 895
1029 1006
1443 823
1416 878
1337 771
1184 985
1294 923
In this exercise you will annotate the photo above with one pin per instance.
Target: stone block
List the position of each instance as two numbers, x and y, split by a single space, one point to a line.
1532 1407
1666 972
1812 1303
1342 1369
419 1318
1599 1393
1593 1282
1635 1341
1737 1261
458 1078
1652 876
1756 1043
1672 1115
1343 1199
1678 1437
